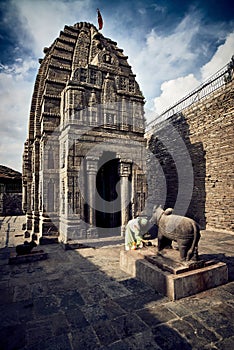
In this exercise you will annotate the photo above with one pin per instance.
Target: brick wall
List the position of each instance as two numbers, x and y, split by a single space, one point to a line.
205 130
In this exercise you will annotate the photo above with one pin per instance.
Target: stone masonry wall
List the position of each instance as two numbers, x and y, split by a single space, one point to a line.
12 203
206 128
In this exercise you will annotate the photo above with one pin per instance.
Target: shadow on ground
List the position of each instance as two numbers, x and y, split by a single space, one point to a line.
70 302
222 258
80 299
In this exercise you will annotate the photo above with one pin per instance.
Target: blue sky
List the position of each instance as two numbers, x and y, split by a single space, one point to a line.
172 46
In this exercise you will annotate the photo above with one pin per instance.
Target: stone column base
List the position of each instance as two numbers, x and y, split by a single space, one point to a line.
92 232
35 222
123 230
29 221
73 229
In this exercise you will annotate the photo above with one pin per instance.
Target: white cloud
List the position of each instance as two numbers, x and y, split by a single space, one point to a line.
175 89
159 8
44 19
169 55
156 57
21 69
221 57
164 56
41 22
142 11
15 96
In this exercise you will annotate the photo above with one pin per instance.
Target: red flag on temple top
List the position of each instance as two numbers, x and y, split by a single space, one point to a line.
100 20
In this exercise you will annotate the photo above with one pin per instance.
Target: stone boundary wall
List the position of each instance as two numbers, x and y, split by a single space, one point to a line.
11 204
206 128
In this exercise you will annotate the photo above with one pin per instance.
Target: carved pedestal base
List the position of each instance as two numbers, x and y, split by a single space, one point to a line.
171 277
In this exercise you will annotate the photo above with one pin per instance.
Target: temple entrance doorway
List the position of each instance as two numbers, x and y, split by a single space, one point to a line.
108 203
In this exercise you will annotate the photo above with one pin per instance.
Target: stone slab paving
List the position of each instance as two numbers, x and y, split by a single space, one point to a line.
11 230
80 299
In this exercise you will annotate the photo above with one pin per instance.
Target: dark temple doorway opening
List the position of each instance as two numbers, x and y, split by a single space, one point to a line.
108 203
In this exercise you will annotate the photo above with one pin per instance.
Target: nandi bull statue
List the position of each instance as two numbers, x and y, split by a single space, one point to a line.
25 248
183 230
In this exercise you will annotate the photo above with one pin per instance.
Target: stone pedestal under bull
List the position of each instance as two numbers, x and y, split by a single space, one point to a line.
183 230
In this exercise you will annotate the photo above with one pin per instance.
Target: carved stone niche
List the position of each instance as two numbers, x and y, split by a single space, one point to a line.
105 59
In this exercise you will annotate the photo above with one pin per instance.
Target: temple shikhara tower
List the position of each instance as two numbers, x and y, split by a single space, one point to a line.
83 163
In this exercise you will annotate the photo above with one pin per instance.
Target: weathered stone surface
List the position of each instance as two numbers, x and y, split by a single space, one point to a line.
156 315
105 332
85 338
88 137
27 258
169 260
52 304
76 318
205 131
10 191
196 281
12 337
128 325
168 338
172 284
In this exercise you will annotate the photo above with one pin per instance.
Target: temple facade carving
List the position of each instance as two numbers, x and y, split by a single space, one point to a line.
84 162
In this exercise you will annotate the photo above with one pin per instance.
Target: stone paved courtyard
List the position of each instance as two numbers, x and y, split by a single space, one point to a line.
80 299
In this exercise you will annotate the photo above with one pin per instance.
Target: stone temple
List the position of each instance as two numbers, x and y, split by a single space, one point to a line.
83 162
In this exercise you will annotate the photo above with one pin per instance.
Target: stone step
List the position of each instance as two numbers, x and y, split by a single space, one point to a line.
35 255
50 239
97 242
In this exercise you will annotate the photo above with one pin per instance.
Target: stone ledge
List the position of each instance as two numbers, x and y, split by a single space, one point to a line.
98 242
28 258
73 245
50 239
174 286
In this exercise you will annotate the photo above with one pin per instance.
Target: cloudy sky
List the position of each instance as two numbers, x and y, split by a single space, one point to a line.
172 45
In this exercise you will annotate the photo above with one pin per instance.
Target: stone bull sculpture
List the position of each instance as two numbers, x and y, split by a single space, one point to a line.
25 248
183 230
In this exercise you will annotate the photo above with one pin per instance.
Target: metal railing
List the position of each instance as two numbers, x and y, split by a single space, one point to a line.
220 78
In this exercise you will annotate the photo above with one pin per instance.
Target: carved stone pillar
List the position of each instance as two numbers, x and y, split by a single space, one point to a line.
92 167
124 172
